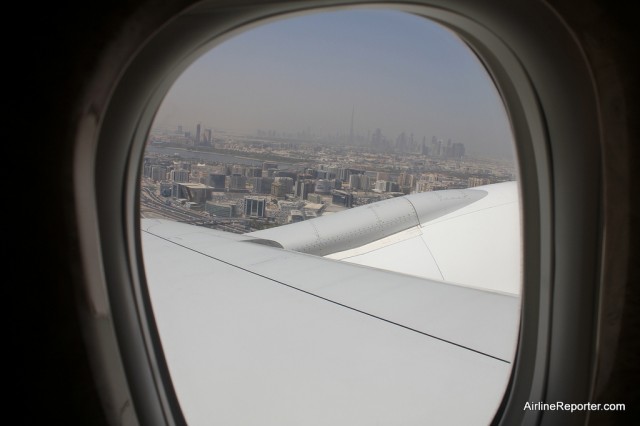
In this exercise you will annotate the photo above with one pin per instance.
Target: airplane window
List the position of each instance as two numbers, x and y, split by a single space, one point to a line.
331 226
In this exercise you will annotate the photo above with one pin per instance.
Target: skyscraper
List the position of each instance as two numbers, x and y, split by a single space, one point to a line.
376 139
353 110
303 188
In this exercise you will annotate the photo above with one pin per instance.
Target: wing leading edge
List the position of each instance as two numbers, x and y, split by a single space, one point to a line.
369 223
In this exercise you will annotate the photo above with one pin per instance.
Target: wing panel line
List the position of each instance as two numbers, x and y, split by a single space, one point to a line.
331 301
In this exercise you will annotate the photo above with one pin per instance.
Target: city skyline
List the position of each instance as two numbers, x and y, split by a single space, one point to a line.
328 73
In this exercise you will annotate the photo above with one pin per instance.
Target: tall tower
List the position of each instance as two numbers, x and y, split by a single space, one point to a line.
198 133
353 110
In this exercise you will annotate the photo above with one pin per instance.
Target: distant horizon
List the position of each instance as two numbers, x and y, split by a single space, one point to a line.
305 75
206 149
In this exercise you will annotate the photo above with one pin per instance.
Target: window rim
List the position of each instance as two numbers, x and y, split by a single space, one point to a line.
114 137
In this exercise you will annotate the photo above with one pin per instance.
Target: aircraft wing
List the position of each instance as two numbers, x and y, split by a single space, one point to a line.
258 334
468 237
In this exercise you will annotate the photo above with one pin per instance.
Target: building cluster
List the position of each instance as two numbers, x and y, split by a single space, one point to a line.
327 177
282 142
178 136
276 196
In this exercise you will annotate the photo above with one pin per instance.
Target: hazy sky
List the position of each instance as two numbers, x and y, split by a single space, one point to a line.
400 72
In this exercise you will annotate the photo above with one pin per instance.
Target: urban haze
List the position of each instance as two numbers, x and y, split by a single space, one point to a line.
320 113
389 70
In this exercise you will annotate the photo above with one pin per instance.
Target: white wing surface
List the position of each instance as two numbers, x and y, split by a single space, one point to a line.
476 245
255 334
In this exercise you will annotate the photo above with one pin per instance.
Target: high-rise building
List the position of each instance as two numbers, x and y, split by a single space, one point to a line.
325 174
386 186
251 172
365 183
198 133
376 140
255 206
335 171
303 188
354 182
207 137
287 183
236 182
342 198
344 173
402 142
279 189
216 180
323 186
458 150
180 175
424 149
146 170
436 148
158 173
351 141
261 185
360 182
406 180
